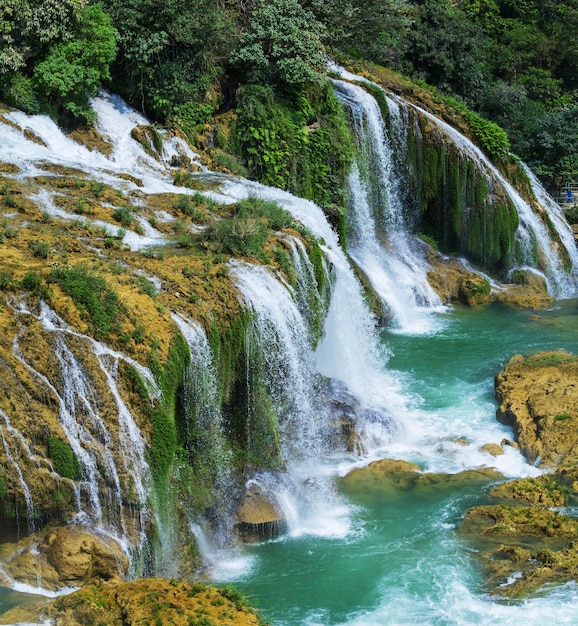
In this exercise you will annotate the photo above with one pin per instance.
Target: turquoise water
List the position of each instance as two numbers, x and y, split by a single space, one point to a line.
397 558
394 558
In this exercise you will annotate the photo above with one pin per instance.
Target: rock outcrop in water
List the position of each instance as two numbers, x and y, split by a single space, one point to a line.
523 543
144 601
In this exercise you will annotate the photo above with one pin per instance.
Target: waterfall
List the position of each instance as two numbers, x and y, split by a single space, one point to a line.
280 334
113 490
204 430
379 238
532 230
18 439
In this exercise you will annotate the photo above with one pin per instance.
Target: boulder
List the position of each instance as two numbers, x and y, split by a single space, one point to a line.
538 397
69 556
388 476
493 449
259 517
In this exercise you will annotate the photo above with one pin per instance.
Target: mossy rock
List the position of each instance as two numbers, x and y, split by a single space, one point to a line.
152 601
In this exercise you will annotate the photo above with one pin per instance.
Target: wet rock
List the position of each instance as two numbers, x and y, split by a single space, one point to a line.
64 557
474 290
259 517
522 548
493 449
388 476
546 491
538 397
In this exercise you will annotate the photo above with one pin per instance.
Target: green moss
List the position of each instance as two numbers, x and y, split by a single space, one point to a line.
3 488
301 143
164 433
550 360
458 211
95 300
65 462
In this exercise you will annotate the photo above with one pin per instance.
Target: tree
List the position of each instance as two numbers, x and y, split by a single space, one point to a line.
447 50
54 54
374 29
282 45
171 51
73 70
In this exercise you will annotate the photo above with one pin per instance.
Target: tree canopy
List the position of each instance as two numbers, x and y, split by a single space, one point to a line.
511 61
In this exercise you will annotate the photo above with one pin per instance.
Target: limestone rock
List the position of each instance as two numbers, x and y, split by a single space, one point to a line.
259 516
522 548
64 557
493 449
474 289
78 555
538 397
387 476
145 601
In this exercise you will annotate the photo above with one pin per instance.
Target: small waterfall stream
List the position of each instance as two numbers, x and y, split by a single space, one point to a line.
113 490
380 242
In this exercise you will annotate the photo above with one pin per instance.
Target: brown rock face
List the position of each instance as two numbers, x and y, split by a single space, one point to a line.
538 397
78 556
65 557
259 517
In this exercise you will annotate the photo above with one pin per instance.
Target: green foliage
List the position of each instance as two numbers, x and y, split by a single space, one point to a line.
458 210
39 249
247 232
551 360
32 281
95 300
489 136
163 443
73 70
301 143
282 45
123 215
64 459
3 488
171 53
137 383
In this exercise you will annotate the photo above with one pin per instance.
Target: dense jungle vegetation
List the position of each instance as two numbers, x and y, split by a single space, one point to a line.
184 61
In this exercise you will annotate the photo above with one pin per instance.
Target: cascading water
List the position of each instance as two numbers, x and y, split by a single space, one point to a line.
536 246
379 239
113 468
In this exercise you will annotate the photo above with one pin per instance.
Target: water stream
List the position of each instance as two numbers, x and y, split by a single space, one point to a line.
423 390
400 560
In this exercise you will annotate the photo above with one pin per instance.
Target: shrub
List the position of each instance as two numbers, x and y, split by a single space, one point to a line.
32 281
38 249
91 294
123 215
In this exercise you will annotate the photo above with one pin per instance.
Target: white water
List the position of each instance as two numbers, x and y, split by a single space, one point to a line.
394 263
532 230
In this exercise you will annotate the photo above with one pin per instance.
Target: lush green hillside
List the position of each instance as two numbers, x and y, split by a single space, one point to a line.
183 62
